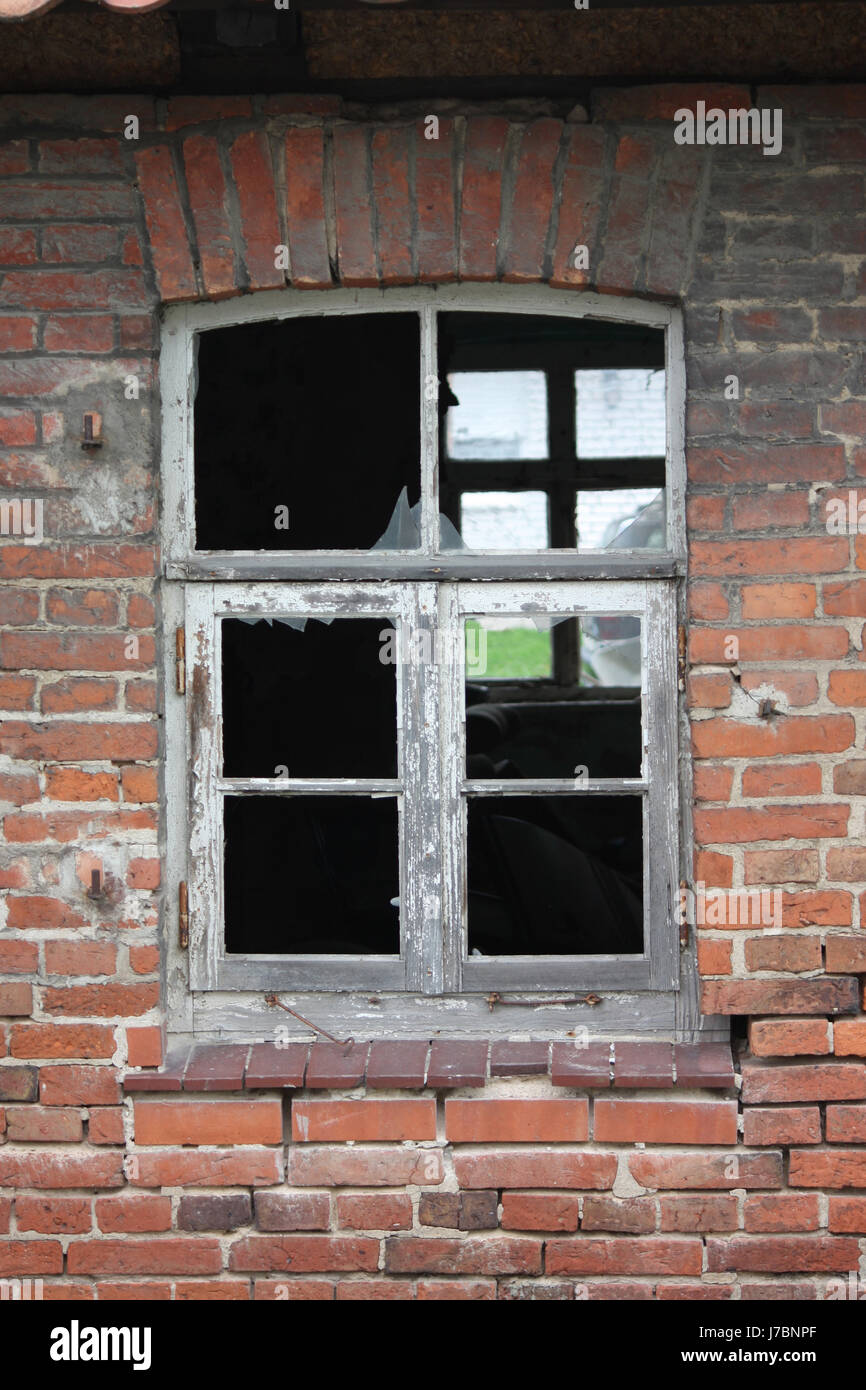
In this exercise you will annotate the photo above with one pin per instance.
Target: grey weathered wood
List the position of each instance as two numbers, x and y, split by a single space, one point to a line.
365 1014
268 566
662 804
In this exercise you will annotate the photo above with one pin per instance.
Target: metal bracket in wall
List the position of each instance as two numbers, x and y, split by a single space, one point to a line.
180 660
182 916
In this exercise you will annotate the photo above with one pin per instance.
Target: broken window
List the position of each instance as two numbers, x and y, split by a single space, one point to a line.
429 557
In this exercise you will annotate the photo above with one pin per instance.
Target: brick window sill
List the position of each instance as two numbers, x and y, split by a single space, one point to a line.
437 1065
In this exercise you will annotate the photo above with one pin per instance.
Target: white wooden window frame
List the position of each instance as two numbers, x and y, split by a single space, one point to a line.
433 985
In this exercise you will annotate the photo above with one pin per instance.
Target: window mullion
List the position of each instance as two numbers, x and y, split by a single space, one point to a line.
451 746
430 539
205 870
422 877
662 800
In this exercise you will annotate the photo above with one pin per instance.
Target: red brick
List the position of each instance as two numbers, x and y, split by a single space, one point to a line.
53 1216
623 1255
792 734
360 1120
71 784
711 1171
788 953
663 1122
539 1211
17 333
783 1212
143 874
781 866
633 1214
353 206
77 242
847 1215
526 233
301 1290
789 1037
434 201
31 1124
470 1255
849 1037
762 511
78 1085
305 208
26 1168
78 693
714 957
763 1081
782 997
846 1124
516 1121
173 1255
363 1211
208 202
455 1290
702 1213
79 333
293 1211
165 223
61 1040
708 602
390 176
133 1214
133 1291
260 229
792 779
144 1047
208 1122
769 463
69 742
535 1168
375 1291
847 688
23 1257
17 246
781 1253
101 1001
709 691
106 1126
304 1254
482 193
18 957
16 1000
80 958
379 1167
224 1168
827 1168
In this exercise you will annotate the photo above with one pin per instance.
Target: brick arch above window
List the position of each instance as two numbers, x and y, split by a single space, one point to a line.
371 204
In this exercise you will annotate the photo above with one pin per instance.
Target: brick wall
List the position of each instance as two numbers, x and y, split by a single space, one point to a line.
640 1172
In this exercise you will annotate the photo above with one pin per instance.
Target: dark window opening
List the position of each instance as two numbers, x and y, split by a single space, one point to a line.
306 431
314 703
311 875
555 875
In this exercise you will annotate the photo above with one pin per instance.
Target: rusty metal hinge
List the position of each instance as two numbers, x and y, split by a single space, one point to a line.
683 914
681 657
182 916
180 660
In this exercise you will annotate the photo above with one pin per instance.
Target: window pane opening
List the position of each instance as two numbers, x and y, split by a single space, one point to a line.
311 875
555 875
548 698
306 431
320 702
